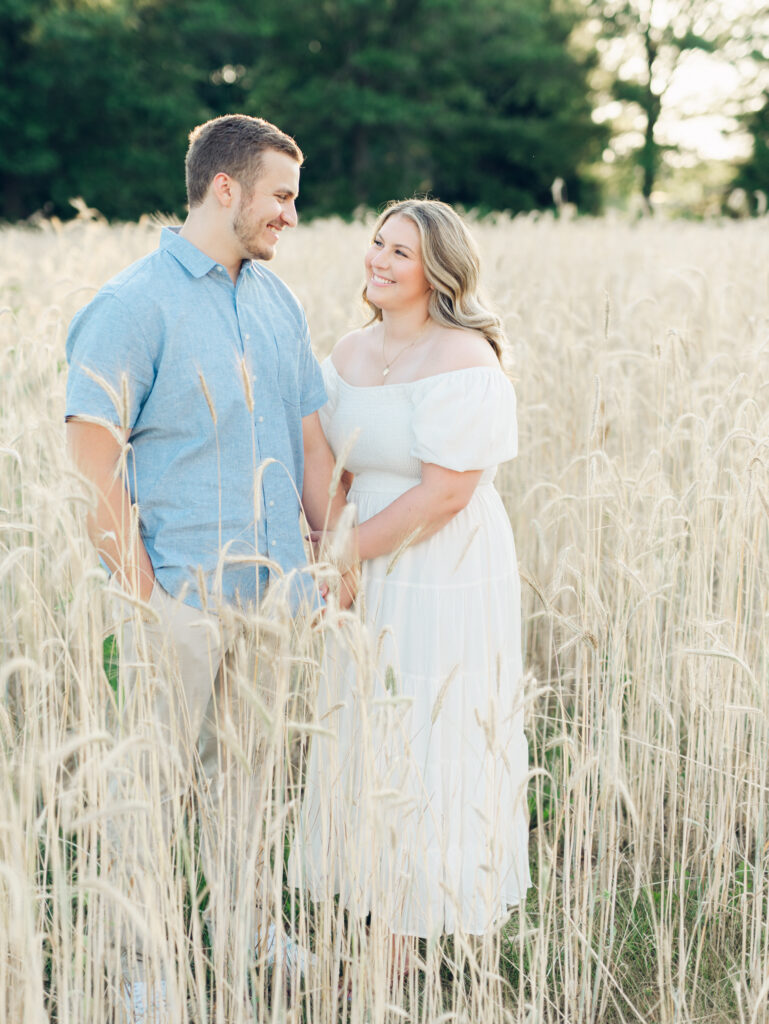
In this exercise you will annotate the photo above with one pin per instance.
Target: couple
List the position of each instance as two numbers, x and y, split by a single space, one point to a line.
194 400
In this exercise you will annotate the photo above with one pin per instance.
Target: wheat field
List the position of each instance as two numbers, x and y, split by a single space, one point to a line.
640 506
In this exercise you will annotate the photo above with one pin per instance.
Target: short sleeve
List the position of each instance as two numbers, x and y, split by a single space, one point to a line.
111 364
465 419
331 382
312 392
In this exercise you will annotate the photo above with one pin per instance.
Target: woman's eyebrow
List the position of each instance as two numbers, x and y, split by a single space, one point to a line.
400 245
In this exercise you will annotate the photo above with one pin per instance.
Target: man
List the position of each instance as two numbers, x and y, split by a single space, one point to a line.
192 400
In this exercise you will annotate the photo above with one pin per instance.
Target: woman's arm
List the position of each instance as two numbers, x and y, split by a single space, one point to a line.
414 516
419 512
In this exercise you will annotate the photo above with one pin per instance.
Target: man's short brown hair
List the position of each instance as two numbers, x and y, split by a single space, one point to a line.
233 144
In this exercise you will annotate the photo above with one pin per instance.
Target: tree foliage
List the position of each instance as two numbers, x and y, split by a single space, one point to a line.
27 155
753 175
481 104
645 43
652 37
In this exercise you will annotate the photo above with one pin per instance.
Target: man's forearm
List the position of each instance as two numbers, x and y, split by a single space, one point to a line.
323 496
322 504
116 537
111 524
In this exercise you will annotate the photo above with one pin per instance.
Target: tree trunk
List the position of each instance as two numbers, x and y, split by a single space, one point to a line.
652 107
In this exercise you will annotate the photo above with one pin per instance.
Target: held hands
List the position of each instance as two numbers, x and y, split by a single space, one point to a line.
339 548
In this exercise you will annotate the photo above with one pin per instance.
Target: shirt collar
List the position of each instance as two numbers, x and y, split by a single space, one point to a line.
194 260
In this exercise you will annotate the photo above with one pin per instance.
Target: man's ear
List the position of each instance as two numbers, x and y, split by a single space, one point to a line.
224 188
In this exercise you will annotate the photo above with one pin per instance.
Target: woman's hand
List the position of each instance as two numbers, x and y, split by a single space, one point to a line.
348 587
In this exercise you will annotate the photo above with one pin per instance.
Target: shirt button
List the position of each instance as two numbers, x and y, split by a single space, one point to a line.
220 269
247 337
271 503
261 419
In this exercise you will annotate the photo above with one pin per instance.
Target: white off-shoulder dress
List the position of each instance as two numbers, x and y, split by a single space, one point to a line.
415 801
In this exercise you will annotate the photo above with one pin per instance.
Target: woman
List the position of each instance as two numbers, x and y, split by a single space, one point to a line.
415 808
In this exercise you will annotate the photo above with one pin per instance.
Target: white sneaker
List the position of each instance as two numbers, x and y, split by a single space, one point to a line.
296 959
144 1002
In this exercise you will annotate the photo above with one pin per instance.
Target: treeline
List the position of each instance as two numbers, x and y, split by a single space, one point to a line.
481 103
484 103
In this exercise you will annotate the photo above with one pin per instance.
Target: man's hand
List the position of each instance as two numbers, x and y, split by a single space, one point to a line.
337 547
97 452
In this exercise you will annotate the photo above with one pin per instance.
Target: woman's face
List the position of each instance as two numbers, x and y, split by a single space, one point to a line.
395 277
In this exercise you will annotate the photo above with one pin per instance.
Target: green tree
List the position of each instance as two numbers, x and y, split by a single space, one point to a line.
644 42
27 153
521 112
482 104
121 103
95 100
753 174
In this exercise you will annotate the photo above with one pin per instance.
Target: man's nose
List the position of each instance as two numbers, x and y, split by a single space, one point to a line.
289 214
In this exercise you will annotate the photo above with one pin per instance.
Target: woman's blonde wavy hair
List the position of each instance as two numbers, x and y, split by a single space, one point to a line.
451 265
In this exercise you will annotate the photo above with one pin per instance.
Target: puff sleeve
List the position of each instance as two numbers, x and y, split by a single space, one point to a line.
465 419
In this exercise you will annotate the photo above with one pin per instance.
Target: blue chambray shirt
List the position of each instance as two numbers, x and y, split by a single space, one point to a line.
172 350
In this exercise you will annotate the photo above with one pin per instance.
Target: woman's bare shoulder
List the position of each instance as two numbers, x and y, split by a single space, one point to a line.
460 349
350 345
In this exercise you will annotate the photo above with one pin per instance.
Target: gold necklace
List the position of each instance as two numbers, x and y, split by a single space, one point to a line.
411 344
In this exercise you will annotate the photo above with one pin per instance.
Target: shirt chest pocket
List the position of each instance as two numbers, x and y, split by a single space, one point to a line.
273 375
288 379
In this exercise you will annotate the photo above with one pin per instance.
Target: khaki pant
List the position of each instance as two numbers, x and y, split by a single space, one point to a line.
205 699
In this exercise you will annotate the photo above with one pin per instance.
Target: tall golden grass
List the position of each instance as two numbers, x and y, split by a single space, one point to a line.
640 506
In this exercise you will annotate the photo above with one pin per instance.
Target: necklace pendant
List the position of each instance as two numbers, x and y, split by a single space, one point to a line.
385 371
